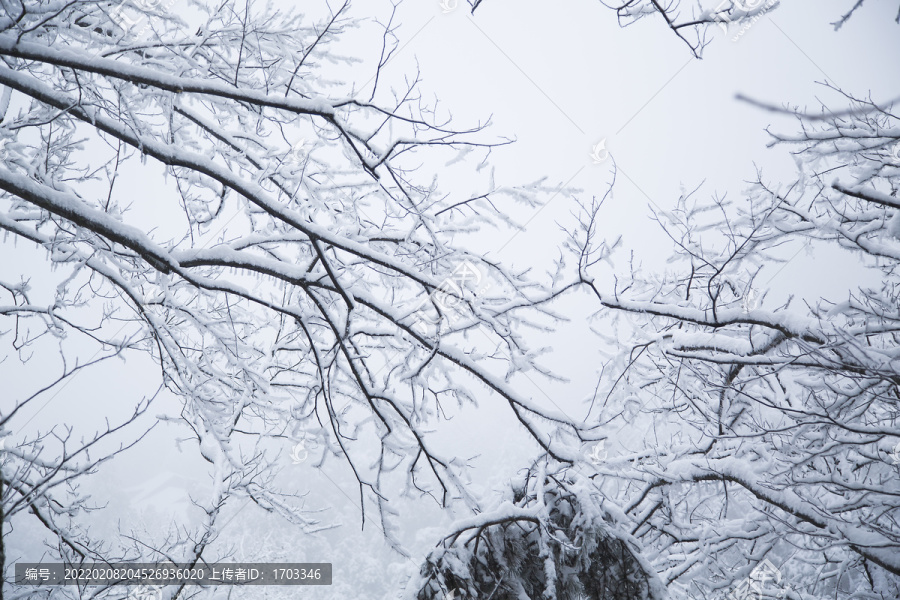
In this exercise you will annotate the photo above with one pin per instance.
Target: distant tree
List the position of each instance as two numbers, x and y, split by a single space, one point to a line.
552 537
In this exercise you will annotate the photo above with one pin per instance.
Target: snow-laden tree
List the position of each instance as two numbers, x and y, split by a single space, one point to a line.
217 197
769 453
552 537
